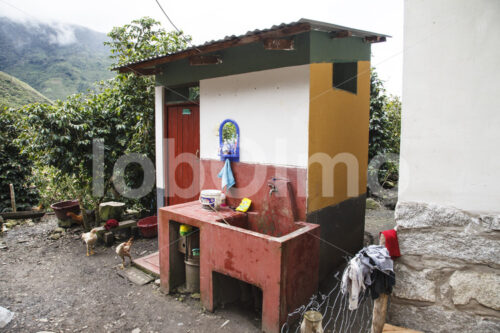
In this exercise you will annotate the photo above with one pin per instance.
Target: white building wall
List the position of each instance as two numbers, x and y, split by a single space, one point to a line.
450 145
271 108
160 181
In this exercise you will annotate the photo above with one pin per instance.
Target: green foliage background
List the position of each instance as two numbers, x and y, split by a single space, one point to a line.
119 111
15 166
385 130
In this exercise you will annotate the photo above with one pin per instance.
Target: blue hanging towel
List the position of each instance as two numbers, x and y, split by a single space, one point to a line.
227 176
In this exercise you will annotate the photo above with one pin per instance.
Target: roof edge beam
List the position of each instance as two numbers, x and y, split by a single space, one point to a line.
283 32
200 60
279 44
340 34
374 39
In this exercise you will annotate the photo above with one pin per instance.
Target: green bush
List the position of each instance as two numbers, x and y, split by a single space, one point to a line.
60 136
15 166
54 186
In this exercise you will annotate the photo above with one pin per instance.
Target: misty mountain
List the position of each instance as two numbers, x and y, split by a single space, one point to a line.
56 59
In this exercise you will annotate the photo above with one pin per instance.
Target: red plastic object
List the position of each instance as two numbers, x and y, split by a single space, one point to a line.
110 224
148 226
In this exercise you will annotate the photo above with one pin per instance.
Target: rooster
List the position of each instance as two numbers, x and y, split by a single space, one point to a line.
123 250
38 208
90 238
77 218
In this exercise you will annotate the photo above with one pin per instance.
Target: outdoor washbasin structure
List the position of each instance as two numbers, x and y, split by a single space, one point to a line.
297 99
283 268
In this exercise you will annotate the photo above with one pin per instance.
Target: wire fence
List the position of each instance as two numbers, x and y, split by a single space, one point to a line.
334 306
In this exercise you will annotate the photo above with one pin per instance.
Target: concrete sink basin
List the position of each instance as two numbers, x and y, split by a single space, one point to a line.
279 257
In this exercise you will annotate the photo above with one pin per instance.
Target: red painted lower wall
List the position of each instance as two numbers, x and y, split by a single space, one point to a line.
252 182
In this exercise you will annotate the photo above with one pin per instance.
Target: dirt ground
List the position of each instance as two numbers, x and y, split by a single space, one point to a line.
52 286
377 220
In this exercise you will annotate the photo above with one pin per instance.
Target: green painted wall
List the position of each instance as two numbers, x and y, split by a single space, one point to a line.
241 59
175 97
326 50
310 47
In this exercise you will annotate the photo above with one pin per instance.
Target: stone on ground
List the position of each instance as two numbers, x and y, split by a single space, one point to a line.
5 317
10 224
111 210
372 204
136 276
55 236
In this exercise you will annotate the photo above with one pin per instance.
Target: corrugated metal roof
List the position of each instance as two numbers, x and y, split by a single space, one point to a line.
312 24
324 26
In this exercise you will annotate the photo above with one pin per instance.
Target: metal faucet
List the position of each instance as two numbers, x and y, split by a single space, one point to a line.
273 188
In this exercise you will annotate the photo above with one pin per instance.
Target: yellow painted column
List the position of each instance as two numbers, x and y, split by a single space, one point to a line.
338 137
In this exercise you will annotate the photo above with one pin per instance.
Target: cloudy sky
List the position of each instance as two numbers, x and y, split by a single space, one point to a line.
207 20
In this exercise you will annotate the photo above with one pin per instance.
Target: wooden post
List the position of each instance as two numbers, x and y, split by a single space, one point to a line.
379 306
379 313
312 322
12 198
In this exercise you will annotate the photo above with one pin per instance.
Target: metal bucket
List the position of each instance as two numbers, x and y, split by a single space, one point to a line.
192 275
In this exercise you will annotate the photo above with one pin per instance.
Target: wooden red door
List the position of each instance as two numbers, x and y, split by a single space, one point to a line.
182 172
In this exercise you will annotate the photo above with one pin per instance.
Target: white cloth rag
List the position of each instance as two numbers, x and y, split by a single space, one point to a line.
357 274
353 282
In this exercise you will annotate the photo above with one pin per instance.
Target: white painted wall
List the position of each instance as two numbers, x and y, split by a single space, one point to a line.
451 104
271 108
160 181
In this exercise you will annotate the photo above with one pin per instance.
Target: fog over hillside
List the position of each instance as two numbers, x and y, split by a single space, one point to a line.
56 59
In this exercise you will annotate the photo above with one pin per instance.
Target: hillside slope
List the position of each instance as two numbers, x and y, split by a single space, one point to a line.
57 60
16 93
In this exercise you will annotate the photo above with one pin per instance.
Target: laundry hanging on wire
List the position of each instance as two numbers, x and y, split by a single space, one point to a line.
371 269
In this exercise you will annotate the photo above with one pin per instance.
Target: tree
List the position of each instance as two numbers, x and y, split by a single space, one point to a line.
379 133
392 109
120 112
385 119
143 38
385 130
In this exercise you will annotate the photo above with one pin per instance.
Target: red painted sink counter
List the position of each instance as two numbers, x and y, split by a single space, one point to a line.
285 268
